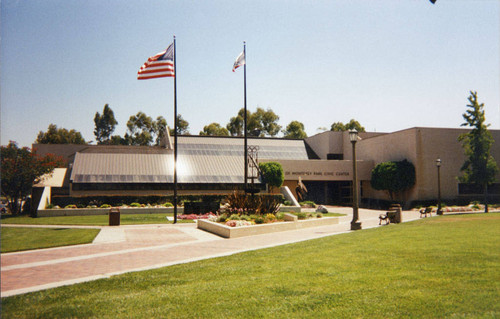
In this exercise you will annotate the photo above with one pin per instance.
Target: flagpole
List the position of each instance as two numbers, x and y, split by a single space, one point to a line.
245 116
175 136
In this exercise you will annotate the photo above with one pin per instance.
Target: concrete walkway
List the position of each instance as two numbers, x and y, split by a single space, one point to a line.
121 249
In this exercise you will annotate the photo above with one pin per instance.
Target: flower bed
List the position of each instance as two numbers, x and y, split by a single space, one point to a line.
197 216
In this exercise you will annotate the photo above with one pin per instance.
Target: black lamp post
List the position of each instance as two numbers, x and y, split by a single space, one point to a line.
355 223
438 165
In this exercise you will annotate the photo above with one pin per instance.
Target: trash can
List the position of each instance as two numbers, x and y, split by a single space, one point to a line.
397 209
114 217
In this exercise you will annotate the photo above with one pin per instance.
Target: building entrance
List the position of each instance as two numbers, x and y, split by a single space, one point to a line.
330 193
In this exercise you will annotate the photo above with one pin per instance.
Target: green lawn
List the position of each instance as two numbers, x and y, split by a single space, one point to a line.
96 220
446 266
21 238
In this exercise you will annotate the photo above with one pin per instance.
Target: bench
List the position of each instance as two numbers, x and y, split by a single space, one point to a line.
425 211
388 217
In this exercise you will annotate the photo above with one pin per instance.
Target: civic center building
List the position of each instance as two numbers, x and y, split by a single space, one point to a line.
323 162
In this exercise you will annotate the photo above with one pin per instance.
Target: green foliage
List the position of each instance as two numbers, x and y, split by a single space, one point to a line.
20 169
245 217
105 206
272 174
301 215
259 220
222 218
56 135
295 130
270 217
168 204
135 205
119 200
480 167
140 129
182 126
214 129
234 217
268 121
352 125
393 177
104 125
308 203
260 123
257 204
70 206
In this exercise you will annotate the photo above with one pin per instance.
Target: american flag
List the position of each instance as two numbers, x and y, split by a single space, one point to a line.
158 66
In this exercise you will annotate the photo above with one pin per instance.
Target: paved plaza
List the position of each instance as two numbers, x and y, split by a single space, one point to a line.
121 249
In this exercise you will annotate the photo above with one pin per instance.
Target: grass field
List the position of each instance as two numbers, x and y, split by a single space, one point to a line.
95 220
16 239
446 267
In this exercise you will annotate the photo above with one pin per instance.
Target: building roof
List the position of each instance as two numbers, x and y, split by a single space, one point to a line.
200 160
54 179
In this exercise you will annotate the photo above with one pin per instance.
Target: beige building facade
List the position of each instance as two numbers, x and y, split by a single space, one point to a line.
323 162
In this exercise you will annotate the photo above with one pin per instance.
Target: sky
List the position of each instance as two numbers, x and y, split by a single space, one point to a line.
389 64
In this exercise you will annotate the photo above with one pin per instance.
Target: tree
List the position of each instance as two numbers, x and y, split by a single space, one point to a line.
21 168
214 129
159 129
393 177
352 125
260 123
295 130
140 129
104 125
272 174
480 167
56 135
267 121
182 126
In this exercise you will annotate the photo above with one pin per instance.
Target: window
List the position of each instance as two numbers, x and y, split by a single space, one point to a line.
474 189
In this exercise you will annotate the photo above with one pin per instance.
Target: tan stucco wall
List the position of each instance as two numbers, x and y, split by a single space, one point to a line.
422 146
324 170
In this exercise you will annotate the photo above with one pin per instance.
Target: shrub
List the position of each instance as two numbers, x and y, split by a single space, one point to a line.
168 204
105 206
272 174
270 217
234 217
258 204
393 177
49 206
319 215
135 204
287 203
301 215
70 206
308 203
280 216
222 218
259 220
246 217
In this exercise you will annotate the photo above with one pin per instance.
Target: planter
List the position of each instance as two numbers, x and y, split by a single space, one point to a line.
242 231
